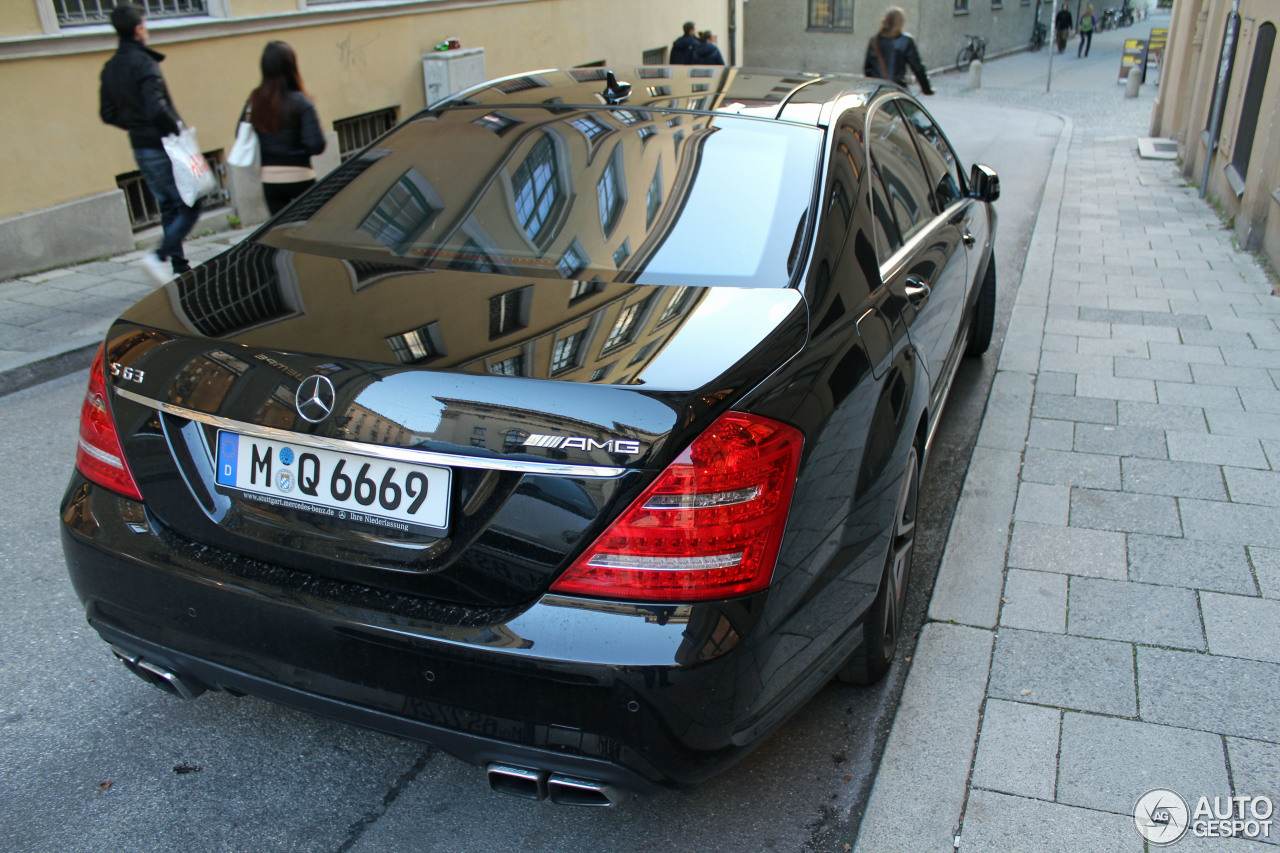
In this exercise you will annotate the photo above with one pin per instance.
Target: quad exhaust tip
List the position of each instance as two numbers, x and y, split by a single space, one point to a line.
158 676
559 788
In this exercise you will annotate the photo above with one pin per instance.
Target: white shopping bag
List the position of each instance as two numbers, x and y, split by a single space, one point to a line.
191 170
244 153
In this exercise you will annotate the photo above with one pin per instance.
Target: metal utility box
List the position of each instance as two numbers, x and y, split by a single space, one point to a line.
447 71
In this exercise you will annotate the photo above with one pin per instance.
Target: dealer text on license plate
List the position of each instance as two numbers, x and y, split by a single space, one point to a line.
346 486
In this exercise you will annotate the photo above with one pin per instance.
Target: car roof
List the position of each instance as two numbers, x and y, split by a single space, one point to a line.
802 97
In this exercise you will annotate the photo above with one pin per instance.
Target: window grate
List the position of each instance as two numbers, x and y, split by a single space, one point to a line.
520 84
233 292
654 56
144 210
76 12
356 132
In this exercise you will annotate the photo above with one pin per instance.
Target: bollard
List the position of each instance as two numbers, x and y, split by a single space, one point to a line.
975 74
1133 82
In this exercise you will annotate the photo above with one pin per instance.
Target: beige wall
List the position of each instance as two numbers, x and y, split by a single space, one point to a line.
1185 103
58 150
18 18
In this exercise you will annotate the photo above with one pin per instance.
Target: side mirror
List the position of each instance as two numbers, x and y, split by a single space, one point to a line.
984 183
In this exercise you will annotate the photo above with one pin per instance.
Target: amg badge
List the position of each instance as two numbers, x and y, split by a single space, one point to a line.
577 442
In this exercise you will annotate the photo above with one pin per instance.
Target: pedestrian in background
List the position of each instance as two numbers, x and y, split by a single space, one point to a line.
706 53
289 134
891 52
684 49
1062 27
133 96
1086 30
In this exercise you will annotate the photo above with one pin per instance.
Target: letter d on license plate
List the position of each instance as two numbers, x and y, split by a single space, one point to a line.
346 486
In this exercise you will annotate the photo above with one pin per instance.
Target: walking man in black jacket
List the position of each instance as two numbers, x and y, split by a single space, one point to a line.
684 49
134 97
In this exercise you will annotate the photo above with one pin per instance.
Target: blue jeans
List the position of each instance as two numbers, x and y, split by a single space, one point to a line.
176 218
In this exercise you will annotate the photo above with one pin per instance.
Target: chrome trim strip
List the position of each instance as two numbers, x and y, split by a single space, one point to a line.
399 454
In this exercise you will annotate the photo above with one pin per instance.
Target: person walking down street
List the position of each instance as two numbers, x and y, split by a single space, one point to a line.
891 52
706 53
289 133
1062 27
1086 30
685 48
133 96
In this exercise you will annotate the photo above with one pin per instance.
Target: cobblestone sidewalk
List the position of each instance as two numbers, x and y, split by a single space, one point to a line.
1106 620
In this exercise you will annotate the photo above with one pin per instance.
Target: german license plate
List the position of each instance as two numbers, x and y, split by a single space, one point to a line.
344 486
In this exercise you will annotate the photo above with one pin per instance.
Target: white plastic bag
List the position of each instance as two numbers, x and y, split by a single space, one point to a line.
191 170
244 153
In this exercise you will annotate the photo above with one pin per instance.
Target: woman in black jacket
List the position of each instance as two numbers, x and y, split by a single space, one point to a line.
288 128
891 52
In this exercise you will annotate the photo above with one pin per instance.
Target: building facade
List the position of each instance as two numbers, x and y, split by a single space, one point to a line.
832 35
1243 163
71 189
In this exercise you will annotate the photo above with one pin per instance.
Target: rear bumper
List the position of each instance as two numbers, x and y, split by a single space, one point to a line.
634 697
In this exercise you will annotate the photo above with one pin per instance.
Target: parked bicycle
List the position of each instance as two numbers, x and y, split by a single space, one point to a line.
1039 35
975 49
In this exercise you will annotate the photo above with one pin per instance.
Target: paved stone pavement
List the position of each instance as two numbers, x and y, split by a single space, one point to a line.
52 322
1106 619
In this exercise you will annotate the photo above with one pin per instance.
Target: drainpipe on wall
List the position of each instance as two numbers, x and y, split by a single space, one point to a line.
733 32
1220 95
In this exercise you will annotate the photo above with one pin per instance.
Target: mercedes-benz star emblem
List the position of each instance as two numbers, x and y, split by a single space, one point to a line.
315 398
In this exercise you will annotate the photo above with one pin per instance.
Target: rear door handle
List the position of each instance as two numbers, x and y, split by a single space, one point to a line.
918 290
968 238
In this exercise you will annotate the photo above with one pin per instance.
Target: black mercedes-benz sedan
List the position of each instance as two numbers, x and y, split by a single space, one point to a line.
574 426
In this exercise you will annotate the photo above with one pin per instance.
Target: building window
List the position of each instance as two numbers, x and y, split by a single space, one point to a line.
602 372
473 258
73 12
513 366
572 262
679 302
497 122
628 323
508 312
537 189
831 14
654 56
567 351
583 289
590 126
653 199
646 132
356 132
417 345
963 6
610 192
1252 106
621 254
403 212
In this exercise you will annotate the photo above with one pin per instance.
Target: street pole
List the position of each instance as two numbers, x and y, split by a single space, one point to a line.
1053 44
1220 92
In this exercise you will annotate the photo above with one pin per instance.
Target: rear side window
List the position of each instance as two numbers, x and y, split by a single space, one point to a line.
899 178
573 192
939 160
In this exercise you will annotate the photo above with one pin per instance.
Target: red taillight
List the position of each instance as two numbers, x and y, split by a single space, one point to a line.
708 528
98 457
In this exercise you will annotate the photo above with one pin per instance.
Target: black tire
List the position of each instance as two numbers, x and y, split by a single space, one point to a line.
983 321
882 629
964 57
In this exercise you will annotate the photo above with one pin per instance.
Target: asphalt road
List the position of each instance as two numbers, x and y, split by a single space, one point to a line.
93 759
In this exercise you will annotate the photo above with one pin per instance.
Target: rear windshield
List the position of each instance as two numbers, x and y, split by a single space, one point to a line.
635 195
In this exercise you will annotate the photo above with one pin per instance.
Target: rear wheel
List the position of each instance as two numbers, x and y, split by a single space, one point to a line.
883 626
983 321
964 57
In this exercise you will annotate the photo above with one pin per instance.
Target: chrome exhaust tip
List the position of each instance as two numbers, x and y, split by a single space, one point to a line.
158 676
571 791
518 781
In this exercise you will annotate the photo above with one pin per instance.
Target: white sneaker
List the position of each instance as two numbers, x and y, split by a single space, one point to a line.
156 268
